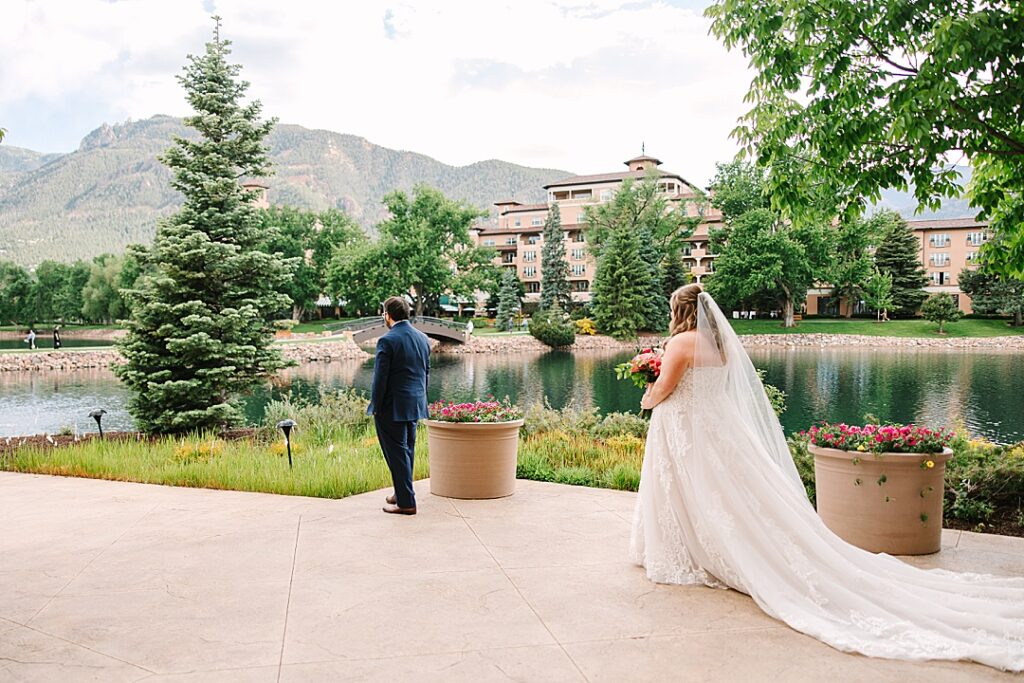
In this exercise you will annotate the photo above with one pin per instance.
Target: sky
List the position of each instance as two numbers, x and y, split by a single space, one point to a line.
577 85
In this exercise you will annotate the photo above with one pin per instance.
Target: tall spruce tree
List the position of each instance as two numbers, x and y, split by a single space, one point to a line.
200 330
554 283
508 300
898 255
655 308
621 285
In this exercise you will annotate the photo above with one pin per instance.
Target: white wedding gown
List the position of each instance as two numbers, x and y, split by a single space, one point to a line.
721 504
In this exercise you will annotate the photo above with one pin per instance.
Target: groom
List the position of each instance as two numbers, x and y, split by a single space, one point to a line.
399 399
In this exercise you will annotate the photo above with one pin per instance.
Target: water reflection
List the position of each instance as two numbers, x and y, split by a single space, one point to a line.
985 390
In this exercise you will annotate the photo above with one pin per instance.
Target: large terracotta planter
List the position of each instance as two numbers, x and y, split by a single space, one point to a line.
473 459
884 502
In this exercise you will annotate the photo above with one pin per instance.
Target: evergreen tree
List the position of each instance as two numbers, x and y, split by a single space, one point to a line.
554 283
655 309
621 285
200 330
898 255
674 273
992 293
508 300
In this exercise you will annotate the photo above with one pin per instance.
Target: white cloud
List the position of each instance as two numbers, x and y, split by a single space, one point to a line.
574 84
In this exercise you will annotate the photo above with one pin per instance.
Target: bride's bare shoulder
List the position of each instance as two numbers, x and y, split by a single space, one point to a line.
682 342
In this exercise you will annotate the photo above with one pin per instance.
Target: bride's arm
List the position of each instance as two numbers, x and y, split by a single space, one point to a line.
678 357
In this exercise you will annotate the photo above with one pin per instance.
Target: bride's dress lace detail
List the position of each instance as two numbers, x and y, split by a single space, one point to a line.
716 509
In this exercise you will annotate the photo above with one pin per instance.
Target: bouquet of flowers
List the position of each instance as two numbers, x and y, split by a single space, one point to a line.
642 369
477 411
879 438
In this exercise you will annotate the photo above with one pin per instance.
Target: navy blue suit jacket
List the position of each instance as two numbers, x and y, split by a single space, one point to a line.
400 372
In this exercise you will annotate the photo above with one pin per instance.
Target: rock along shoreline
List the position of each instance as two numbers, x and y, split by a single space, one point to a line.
325 352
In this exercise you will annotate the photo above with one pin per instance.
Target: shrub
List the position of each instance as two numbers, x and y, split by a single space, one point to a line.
551 327
621 424
541 417
335 412
586 326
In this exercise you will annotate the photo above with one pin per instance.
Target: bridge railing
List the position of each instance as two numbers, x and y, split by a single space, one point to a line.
368 323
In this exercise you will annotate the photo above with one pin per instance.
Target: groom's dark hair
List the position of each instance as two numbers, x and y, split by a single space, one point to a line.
397 308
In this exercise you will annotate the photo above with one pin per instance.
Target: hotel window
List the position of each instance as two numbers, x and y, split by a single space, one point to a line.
529 271
533 288
578 237
606 195
579 270
508 257
529 256
511 240
941 278
687 249
532 239
972 257
488 243
975 239
537 221
581 218
581 286
941 240
939 259
517 223
578 254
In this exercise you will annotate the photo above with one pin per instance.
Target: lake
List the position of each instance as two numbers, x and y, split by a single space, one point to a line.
934 387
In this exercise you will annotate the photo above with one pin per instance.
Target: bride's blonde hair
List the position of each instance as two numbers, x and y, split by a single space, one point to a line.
683 304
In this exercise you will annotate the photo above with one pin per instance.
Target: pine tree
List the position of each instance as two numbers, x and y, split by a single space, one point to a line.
674 273
200 330
897 254
554 283
620 289
508 300
941 309
655 309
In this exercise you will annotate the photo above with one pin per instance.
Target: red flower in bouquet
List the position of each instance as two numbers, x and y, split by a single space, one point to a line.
643 369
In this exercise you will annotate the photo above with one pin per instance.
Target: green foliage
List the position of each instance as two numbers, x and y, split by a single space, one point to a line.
554 284
874 94
992 293
878 294
620 285
761 257
101 295
852 266
200 330
941 309
553 327
308 240
897 256
424 247
640 207
508 300
15 293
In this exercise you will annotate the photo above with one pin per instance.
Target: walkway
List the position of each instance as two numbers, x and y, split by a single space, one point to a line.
121 582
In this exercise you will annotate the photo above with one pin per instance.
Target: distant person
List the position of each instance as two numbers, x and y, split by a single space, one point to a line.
56 337
31 338
469 328
398 399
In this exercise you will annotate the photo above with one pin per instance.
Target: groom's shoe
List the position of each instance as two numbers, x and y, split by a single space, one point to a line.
395 510
391 500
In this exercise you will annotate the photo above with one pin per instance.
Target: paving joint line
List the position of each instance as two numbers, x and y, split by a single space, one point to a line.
90 563
288 603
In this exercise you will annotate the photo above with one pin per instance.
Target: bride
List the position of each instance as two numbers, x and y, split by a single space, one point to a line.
721 504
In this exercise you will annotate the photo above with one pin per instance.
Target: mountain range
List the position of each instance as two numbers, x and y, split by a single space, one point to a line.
112 190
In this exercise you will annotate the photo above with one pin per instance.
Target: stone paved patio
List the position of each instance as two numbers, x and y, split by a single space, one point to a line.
112 581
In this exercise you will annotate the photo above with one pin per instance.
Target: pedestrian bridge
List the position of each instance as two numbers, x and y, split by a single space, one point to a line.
365 329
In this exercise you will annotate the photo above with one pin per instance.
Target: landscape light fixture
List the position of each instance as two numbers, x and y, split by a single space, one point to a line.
97 415
286 427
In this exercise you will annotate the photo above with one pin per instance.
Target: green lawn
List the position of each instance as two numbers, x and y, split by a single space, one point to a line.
64 328
968 327
318 325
